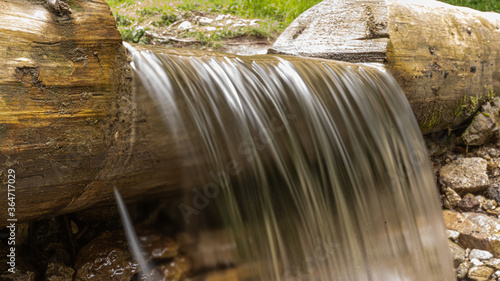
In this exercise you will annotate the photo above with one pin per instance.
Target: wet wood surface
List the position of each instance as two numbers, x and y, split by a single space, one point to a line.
70 127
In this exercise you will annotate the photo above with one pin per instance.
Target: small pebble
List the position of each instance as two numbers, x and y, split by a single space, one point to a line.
476 262
480 255
452 234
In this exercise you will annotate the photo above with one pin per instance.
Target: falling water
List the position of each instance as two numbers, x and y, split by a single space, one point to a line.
317 168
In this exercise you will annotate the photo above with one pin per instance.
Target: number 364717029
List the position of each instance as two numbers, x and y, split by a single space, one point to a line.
11 188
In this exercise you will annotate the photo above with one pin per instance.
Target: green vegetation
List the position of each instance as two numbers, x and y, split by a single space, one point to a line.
283 12
166 19
123 20
116 3
481 5
133 34
276 15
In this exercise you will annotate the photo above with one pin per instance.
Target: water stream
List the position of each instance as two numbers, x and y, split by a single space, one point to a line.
316 169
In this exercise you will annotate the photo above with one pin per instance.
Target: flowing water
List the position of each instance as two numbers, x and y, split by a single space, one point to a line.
317 169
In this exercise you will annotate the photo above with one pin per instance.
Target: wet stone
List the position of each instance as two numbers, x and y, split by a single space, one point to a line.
106 258
158 246
57 253
58 272
468 203
465 175
175 270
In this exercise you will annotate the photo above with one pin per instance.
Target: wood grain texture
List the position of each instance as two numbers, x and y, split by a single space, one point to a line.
445 58
69 122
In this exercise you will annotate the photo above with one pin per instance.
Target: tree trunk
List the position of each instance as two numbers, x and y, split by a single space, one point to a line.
445 58
70 128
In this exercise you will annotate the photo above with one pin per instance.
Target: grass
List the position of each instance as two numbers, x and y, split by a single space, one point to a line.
278 14
481 5
284 12
281 11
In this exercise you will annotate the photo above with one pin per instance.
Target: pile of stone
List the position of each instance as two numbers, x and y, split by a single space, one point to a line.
475 245
468 175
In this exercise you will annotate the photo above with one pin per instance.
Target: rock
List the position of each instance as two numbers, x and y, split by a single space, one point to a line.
468 203
480 273
495 212
452 234
158 246
185 25
458 253
480 254
58 272
462 269
175 270
489 204
493 263
480 130
254 23
493 192
107 257
465 175
221 17
476 262
477 231
205 21
109 253
451 198
484 126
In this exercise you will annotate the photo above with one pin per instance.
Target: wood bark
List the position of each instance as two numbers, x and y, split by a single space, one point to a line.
445 58
70 126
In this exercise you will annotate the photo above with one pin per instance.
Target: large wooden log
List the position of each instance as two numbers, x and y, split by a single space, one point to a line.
446 58
70 127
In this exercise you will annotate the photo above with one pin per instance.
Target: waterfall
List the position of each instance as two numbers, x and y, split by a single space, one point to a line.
316 169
